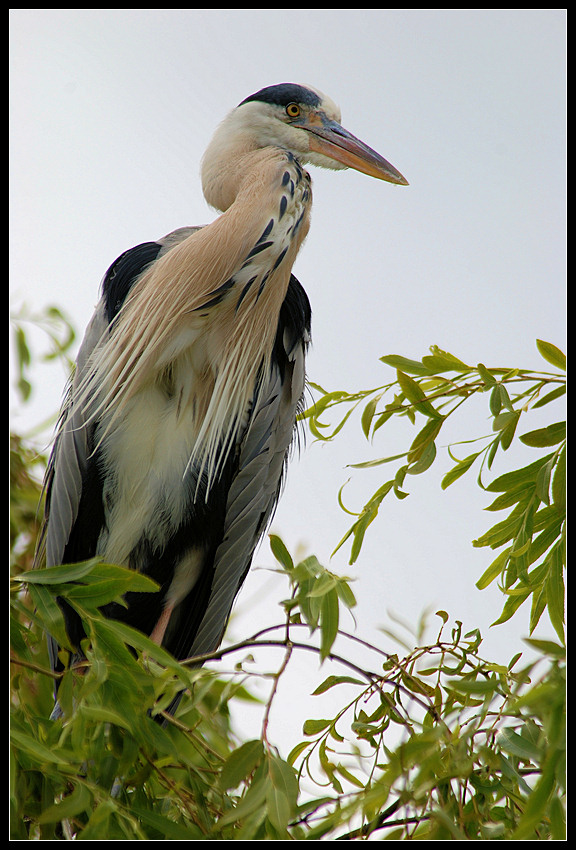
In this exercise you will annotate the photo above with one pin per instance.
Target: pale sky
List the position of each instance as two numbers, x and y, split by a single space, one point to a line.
111 111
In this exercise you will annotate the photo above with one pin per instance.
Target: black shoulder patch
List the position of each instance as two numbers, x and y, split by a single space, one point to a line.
123 272
284 94
296 309
295 319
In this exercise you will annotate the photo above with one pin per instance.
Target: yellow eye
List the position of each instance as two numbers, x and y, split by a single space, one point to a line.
293 110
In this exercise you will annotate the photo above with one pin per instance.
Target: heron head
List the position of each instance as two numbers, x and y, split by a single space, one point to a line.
298 119
307 123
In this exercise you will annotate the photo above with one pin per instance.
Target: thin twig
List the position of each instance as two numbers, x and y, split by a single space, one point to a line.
281 669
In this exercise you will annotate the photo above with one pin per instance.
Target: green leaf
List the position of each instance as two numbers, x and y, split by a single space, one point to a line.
399 481
508 428
538 606
59 575
24 360
503 419
328 767
552 354
505 398
97 828
324 584
24 388
559 483
50 613
548 436
486 376
425 461
368 464
138 582
521 493
105 714
474 686
416 395
168 829
382 419
282 793
368 415
117 635
557 814
495 401
543 481
107 634
424 438
331 681
503 531
443 361
40 753
555 592
79 800
414 367
494 570
345 593
518 476
368 515
22 348
329 617
558 392
535 807
458 470
280 552
511 606
240 764
343 771
410 388
313 727
416 685
250 802
96 595
297 750
518 745
547 647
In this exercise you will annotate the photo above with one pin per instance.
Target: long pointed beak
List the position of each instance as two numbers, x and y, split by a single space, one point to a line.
329 138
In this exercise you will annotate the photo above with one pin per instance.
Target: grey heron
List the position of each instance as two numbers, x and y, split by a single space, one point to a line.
179 416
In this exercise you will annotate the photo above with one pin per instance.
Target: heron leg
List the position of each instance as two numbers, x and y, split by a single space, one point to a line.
159 630
186 574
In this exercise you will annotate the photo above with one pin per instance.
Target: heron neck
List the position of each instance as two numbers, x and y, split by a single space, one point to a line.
223 176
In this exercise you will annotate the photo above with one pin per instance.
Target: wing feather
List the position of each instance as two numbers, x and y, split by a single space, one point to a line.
72 447
253 495
69 457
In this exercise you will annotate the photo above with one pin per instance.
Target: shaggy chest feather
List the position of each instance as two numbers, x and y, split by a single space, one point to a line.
191 402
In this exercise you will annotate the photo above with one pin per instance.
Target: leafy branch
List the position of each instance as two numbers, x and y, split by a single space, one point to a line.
472 741
433 389
60 334
434 742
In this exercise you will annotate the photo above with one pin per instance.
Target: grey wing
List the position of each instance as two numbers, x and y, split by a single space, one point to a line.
70 453
253 495
64 475
68 460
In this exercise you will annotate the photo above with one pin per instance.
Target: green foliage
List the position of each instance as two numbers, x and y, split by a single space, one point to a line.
26 469
432 742
437 744
60 334
531 538
108 769
317 594
470 747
